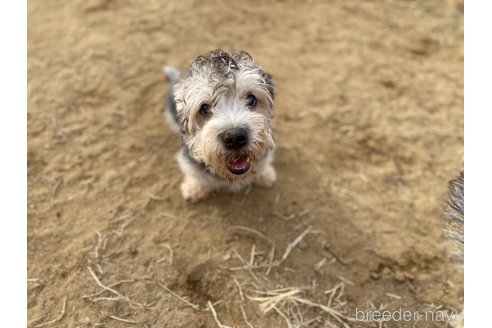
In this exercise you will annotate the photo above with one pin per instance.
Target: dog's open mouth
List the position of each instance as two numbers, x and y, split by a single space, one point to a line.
239 165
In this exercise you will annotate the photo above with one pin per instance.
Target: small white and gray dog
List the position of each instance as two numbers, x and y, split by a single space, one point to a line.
222 107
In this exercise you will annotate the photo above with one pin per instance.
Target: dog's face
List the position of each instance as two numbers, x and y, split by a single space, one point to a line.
224 106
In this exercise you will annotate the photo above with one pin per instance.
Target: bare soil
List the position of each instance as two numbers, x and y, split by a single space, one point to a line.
369 125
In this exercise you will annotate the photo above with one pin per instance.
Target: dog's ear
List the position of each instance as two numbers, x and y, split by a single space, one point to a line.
185 129
185 126
269 83
180 103
182 121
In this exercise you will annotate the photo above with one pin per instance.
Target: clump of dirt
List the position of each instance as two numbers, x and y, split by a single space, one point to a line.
369 125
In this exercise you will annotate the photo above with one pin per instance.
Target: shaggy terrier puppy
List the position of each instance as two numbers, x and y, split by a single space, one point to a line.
222 107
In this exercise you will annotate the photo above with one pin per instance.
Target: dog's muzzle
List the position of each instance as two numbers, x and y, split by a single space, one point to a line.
235 140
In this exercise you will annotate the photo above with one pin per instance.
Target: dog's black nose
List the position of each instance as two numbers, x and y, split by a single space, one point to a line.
235 139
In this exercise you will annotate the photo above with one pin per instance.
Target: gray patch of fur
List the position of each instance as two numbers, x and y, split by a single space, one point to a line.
454 215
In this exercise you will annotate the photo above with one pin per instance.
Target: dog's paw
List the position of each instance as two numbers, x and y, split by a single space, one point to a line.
192 191
267 177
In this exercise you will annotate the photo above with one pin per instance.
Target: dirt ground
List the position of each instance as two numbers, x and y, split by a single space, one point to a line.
369 126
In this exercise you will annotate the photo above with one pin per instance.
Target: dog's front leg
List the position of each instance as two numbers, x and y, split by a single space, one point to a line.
193 189
266 177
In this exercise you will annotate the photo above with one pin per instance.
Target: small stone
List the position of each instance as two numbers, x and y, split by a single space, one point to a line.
302 244
375 275
399 276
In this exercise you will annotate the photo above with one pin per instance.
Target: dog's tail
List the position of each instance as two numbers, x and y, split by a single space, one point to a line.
454 215
172 73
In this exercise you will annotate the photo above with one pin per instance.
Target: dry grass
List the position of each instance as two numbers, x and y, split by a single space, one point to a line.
245 317
171 254
211 307
289 303
193 306
271 263
97 257
48 323
122 320
114 284
119 296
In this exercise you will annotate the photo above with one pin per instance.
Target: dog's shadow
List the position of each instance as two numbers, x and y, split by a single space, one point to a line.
254 206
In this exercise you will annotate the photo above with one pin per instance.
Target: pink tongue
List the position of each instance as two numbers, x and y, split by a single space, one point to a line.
240 163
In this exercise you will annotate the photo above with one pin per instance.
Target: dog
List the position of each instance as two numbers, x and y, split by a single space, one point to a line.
454 219
222 107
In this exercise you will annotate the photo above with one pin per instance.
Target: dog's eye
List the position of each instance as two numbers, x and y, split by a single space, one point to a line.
205 109
251 101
